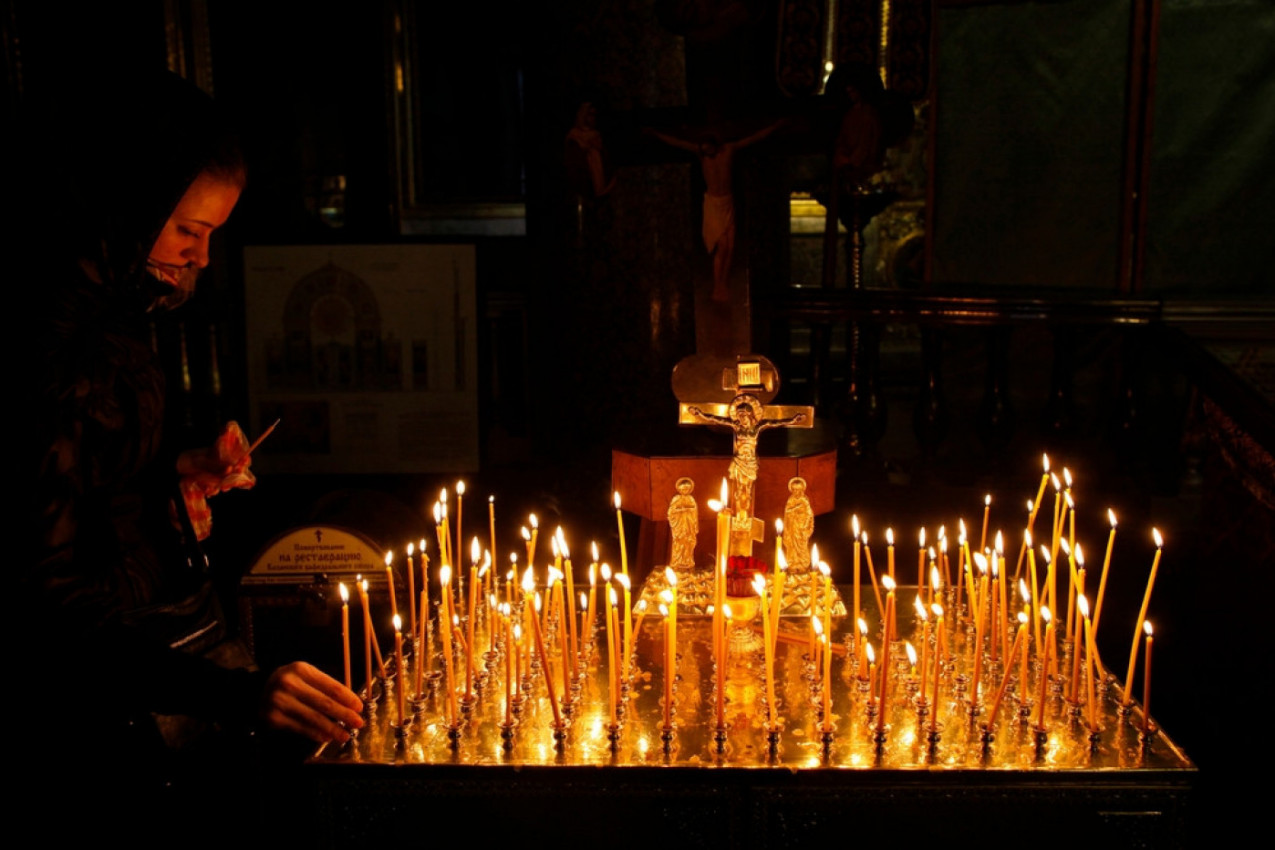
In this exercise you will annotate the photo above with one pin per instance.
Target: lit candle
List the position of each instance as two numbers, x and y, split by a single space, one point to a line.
889 543
1146 682
445 622
1040 493
345 633
987 512
619 522
460 511
1049 578
389 580
424 606
863 643
854 528
777 602
591 617
401 684
361 583
1044 667
627 643
535 535
872 672
1142 616
411 587
1106 563
1031 577
611 671
511 659
571 597
759 585
1009 663
529 593
925 641
920 561
668 667
885 651
475 552
491 527
938 665
979 623
779 545
671 671
872 574
721 672
1082 604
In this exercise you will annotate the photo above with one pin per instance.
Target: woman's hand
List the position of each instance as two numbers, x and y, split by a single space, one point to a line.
301 698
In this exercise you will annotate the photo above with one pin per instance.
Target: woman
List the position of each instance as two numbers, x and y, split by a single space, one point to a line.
118 615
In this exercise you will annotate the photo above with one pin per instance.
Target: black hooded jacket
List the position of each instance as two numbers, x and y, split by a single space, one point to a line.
104 172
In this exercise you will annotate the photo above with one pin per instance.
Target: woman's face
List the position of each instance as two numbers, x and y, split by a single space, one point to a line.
182 247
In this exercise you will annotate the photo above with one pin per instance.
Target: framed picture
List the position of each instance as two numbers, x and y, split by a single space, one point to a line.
367 354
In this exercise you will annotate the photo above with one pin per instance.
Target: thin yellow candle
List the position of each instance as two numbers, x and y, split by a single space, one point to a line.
872 574
668 667
569 573
1082 605
1047 602
591 617
1142 616
449 553
1146 681
938 665
889 543
1106 564
510 661
987 513
1044 667
759 585
345 633
993 622
885 651
936 579
389 580
491 527
619 522
611 671
777 602
827 682
854 528
980 621
529 591
923 616
460 515
475 551
361 583
1031 577
1029 609
827 597
424 606
1002 621
1009 663
871 655
401 685
1040 493
721 672
779 546
1055 526
411 587
535 537
445 622
627 644
920 561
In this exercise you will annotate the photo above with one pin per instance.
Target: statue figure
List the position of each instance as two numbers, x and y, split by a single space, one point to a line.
586 155
683 520
746 421
799 524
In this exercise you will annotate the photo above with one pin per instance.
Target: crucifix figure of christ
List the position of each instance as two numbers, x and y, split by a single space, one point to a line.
717 161
747 417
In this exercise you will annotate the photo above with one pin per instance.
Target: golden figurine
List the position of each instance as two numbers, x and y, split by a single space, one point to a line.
799 525
683 521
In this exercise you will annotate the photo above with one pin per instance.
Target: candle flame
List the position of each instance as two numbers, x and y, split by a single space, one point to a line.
1030 505
1111 517
871 653
553 547
606 572
961 536
593 575
816 624
888 583
1022 618
1044 553
1146 627
1071 503
421 547
491 500
555 575
783 561
1082 605
889 537
911 650
411 550
825 569
389 557
1067 477
863 626
615 497
759 584
854 524
814 554
725 492
444 574
640 608
1045 615
526 535
980 561
663 610
561 537
345 593
666 596
623 580
1044 460
935 578
921 538
475 550
937 610
612 597
1023 591
920 607
1057 484
438 513
365 585
1159 541
670 575
518 632
398 623
865 537
528 580
584 600
715 506
779 527
1027 539
1080 555
535 523
726 610
536 599
460 488
987 500
442 496
1064 546
1000 544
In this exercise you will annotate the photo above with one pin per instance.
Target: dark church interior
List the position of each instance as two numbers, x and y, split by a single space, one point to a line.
1063 247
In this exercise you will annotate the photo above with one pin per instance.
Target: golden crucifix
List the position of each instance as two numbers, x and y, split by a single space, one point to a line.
747 417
